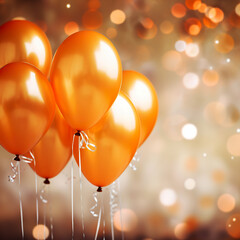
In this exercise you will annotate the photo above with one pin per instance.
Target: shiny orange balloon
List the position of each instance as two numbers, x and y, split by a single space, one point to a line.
27 107
116 137
86 76
54 149
23 41
144 97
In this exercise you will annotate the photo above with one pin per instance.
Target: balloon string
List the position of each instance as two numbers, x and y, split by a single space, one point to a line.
80 184
120 210
134 161
98 224
51 227
36 187
113 204
103 217
20 199
72 202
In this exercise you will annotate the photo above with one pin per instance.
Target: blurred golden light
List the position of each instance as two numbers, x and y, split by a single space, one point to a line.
189 131
111 32
193 4
218 176
209 23
237 9
19 18
172 60
146 29
68 5
233 226
233 144
178 10
192 50
125 220
71 27
210 78
147 23
189 183
215 14
206 201
92 19
226 203
192 26
94 4
224 115
40 232
224 43
191 164
166 27
190 80
181 231
194 30
118 16
203 8
168 197
180 45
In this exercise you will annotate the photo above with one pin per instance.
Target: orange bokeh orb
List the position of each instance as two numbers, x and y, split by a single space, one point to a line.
224 43
71 27
178 10
193 4
233 226
192 26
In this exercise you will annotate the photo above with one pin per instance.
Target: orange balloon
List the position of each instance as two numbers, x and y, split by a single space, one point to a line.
144 97
86 76
27 107
23 41
54 149
116 137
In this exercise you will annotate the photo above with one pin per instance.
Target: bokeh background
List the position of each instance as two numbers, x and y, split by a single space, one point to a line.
186 184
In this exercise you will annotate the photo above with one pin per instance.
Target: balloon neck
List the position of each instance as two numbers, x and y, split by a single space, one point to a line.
46 181
77 133
17 158
99 189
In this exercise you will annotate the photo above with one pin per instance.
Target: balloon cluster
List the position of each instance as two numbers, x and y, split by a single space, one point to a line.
88 97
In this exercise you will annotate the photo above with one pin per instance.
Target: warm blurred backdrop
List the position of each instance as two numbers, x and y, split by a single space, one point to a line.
187 182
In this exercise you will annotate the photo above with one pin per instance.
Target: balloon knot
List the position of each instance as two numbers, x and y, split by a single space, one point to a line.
17 158
46 181
77 133
99 189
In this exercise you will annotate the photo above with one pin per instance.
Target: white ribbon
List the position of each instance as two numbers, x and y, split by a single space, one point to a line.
14 165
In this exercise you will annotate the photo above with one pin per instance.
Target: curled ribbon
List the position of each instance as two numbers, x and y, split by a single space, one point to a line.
84 141
14 165
134 161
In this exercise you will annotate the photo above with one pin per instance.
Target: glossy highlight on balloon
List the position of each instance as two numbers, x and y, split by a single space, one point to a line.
144 97
24 41
116 137
27 107
54 150
86 76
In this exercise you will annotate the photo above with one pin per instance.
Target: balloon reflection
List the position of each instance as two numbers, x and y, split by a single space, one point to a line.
106 60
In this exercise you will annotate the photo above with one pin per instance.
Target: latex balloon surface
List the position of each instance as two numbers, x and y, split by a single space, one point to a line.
54 149
27 107
23 41
86 76
144 97
116 137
